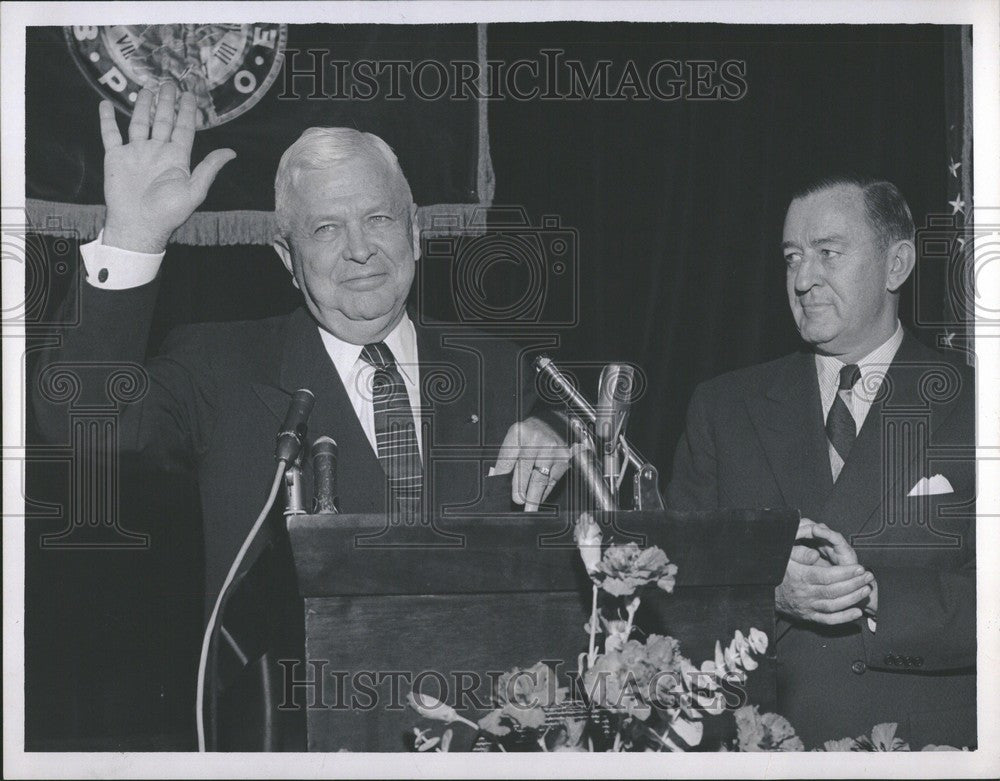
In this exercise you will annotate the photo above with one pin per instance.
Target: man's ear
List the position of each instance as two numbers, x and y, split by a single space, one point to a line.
284 251
415 228
902 257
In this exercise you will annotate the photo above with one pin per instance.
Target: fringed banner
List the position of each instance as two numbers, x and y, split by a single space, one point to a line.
209 229
441 139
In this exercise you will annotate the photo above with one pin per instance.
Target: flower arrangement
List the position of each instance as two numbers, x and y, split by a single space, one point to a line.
771 732
630 694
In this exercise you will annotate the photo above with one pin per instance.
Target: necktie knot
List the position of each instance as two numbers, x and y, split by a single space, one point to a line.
379 355
849 376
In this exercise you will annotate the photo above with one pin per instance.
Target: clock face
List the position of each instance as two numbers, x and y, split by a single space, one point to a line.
228 67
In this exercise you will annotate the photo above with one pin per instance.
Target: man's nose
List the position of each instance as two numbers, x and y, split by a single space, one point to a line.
358 247
808 274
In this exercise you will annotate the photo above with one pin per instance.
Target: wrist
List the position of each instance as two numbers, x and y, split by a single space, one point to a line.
128 238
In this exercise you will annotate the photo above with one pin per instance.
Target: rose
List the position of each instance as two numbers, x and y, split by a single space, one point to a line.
662 652
627 567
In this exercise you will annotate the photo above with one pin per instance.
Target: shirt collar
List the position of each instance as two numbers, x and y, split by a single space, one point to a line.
402 340
877 361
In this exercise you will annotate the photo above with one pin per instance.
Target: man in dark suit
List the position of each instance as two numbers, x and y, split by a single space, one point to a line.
869 434
418 409
392 392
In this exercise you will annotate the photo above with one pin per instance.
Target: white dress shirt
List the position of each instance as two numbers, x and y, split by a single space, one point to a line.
859 399
111 268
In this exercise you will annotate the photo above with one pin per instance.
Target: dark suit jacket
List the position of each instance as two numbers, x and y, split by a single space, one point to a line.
215 396
755 438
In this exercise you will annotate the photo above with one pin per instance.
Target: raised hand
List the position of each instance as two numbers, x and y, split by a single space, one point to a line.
149 187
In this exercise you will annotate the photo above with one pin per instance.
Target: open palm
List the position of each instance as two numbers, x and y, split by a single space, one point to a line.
149 187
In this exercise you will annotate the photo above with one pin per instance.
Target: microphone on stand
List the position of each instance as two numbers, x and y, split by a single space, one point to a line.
294 426
286 452
614 393
585 461
324 463
645 492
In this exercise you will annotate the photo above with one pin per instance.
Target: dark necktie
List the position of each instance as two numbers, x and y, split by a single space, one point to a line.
395 431
840 427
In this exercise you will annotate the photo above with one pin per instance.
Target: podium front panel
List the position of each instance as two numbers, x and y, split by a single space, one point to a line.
382 621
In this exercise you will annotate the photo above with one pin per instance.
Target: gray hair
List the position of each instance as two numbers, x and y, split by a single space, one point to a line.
885 207
323 147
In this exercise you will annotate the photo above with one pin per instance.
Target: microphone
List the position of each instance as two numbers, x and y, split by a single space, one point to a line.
646 494
294 426
573 399
613 399
563 386
584 460
324 463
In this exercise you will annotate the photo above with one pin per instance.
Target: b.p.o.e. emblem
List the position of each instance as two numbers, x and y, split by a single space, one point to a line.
228 67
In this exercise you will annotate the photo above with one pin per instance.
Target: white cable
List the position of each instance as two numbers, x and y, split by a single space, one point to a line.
207 639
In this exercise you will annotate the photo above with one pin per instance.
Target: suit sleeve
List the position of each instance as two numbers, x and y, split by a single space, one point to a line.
926 620
927 598
164 405
927 613
694 480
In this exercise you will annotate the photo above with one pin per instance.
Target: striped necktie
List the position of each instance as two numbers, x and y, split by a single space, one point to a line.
840 427
395 431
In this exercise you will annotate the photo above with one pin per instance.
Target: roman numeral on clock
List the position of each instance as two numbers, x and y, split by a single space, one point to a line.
226 52
125 46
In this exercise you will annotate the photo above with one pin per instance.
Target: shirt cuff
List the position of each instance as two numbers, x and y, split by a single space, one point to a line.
111 268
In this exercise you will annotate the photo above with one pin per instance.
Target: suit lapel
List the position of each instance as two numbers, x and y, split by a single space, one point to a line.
788 419
437 360
885 457
305 363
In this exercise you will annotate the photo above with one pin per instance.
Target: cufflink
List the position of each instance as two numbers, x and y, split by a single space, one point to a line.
102 275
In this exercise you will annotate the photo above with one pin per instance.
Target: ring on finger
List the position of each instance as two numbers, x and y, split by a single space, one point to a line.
543 470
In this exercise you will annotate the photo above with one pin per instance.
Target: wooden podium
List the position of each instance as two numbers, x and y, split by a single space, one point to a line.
450 605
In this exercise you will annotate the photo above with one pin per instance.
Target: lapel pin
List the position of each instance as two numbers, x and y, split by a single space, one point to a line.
473 418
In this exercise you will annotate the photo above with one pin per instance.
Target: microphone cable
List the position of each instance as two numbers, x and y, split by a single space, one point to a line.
210 630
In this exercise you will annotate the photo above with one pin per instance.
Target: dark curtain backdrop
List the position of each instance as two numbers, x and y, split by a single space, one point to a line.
676 209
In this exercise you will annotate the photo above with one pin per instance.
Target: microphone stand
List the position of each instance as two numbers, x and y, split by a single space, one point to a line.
645 489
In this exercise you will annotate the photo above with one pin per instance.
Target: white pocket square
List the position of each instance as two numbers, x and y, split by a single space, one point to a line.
931 486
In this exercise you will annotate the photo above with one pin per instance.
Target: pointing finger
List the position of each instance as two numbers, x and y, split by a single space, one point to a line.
507 456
